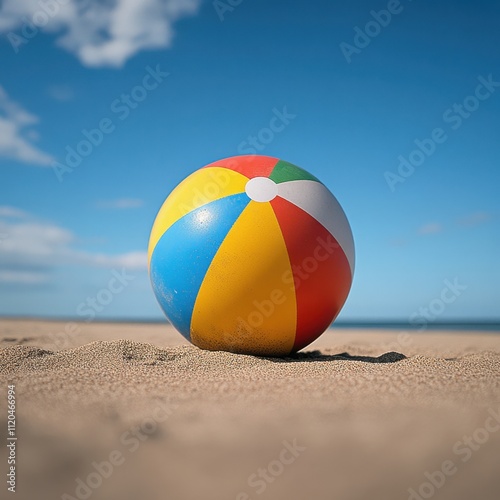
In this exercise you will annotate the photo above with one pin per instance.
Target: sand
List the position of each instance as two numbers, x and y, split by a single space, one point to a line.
132 411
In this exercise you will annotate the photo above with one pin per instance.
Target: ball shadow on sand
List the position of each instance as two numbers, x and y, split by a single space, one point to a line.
318 356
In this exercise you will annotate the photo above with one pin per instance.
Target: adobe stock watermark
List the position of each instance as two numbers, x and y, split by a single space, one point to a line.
130 441
89 308
213 187
403 340
211 190
62 338
463 448
220 179
454 117
11 438
93 305
428 314
47 10
120 108
364 36
260 480
265 307
223 6
253 144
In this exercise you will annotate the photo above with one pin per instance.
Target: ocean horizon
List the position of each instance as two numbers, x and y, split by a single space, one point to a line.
488 325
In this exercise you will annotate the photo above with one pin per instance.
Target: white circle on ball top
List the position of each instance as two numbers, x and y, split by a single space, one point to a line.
261 189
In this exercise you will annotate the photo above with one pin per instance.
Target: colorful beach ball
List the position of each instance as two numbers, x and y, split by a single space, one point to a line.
252 255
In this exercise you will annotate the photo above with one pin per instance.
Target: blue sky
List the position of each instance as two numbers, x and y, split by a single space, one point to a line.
356 103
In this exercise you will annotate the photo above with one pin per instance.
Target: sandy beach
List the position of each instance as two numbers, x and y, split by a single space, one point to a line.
131 411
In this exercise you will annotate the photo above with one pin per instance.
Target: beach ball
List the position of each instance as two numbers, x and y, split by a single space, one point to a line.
252 255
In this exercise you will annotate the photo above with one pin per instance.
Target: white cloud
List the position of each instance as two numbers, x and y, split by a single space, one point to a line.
23 277
131 260
431 228
6 211
30 249
475 219
34 243
120 203
101 33
16 136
